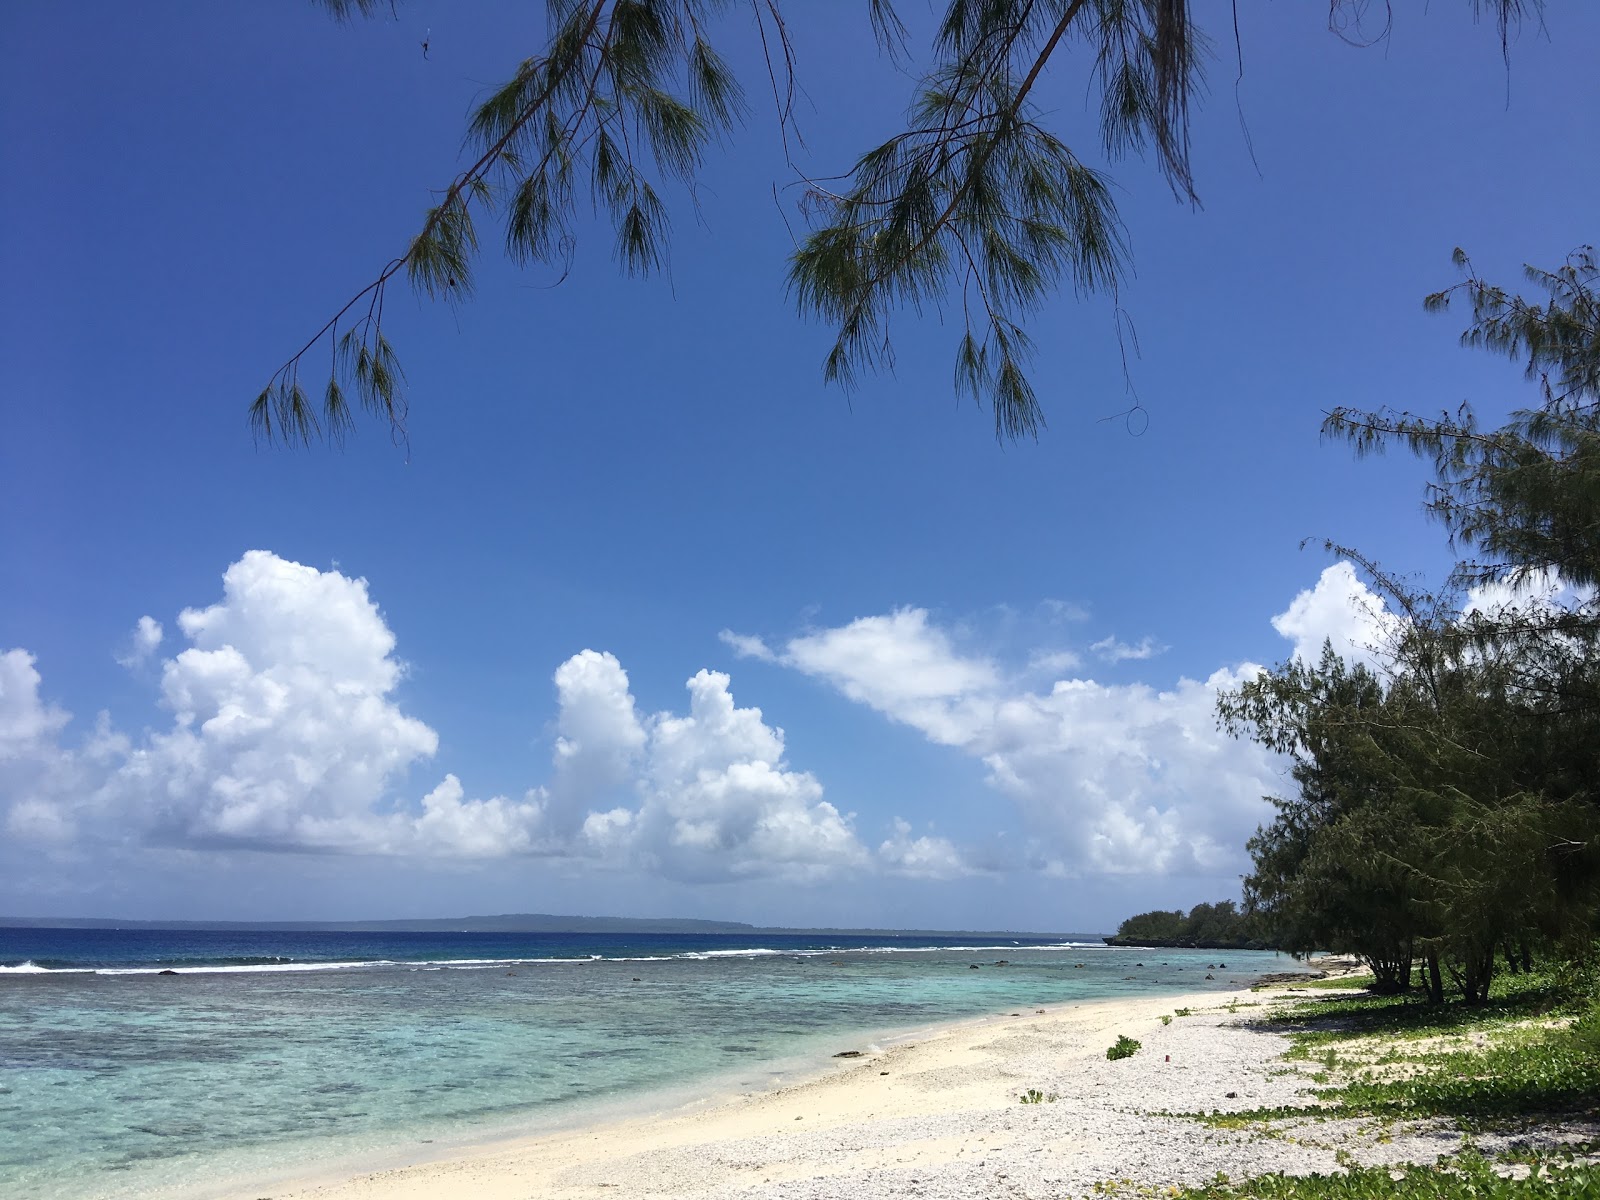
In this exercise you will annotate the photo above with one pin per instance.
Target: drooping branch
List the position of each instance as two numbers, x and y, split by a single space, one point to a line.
975 192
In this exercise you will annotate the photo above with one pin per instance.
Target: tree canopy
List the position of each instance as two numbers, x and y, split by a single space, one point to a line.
976 205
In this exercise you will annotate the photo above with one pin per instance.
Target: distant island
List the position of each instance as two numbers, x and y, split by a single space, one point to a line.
527 923
1218 926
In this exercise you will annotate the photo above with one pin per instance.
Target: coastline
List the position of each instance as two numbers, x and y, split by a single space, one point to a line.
920 1112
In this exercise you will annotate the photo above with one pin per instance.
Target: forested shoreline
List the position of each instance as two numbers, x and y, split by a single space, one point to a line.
1220 926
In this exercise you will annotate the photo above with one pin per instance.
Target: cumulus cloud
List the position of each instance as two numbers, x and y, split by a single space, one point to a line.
285 732
1113 651
715 798
924 857
146 639
903 666
1530 593
33 766
1107 778
720 800
1342 610
28 725
600 739
286 735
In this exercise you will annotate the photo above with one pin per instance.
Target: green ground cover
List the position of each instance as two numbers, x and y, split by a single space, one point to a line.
1462 1177
1531 1054
1533 1049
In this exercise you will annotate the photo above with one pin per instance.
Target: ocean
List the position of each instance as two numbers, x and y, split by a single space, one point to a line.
119 1078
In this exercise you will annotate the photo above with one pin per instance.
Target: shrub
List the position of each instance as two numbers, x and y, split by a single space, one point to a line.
1123 1047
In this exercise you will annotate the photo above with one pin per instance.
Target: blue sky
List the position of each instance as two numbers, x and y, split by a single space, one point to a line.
938 624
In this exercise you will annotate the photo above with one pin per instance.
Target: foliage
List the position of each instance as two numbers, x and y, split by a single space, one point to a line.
975 201
1522 495
1123 1047
1035 1096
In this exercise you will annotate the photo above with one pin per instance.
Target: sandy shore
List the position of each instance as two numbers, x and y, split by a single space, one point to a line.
937 1116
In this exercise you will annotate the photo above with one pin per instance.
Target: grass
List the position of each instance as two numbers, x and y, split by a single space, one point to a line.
1529 1057
1533 1050
1466 1176
1515 997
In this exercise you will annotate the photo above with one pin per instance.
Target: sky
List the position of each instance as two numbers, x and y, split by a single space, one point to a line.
642 617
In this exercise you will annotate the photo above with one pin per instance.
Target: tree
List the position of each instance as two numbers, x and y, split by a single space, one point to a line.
975 202
1449 807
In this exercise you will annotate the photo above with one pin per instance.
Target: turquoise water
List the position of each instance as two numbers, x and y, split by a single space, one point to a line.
117 1084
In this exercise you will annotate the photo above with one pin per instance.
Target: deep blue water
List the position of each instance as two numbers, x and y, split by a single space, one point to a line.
31 950
270 1048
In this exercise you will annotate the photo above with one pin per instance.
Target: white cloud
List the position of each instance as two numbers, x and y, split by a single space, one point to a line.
702 796
147 635
600 739
1533 592
286 735
719 801
746 646
284 732
1121 779
902 666
924 857
475 828
1107 778
1051 662
1342 610
1128 779
33 767
28 725
1113 651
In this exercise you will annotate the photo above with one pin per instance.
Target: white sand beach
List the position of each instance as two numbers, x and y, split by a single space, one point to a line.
941 1116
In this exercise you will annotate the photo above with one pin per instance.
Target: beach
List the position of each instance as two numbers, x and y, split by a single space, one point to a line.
939 1114
189 1063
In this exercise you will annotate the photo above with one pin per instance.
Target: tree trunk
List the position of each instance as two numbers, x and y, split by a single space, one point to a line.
1435 978
1389 975
1477 972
